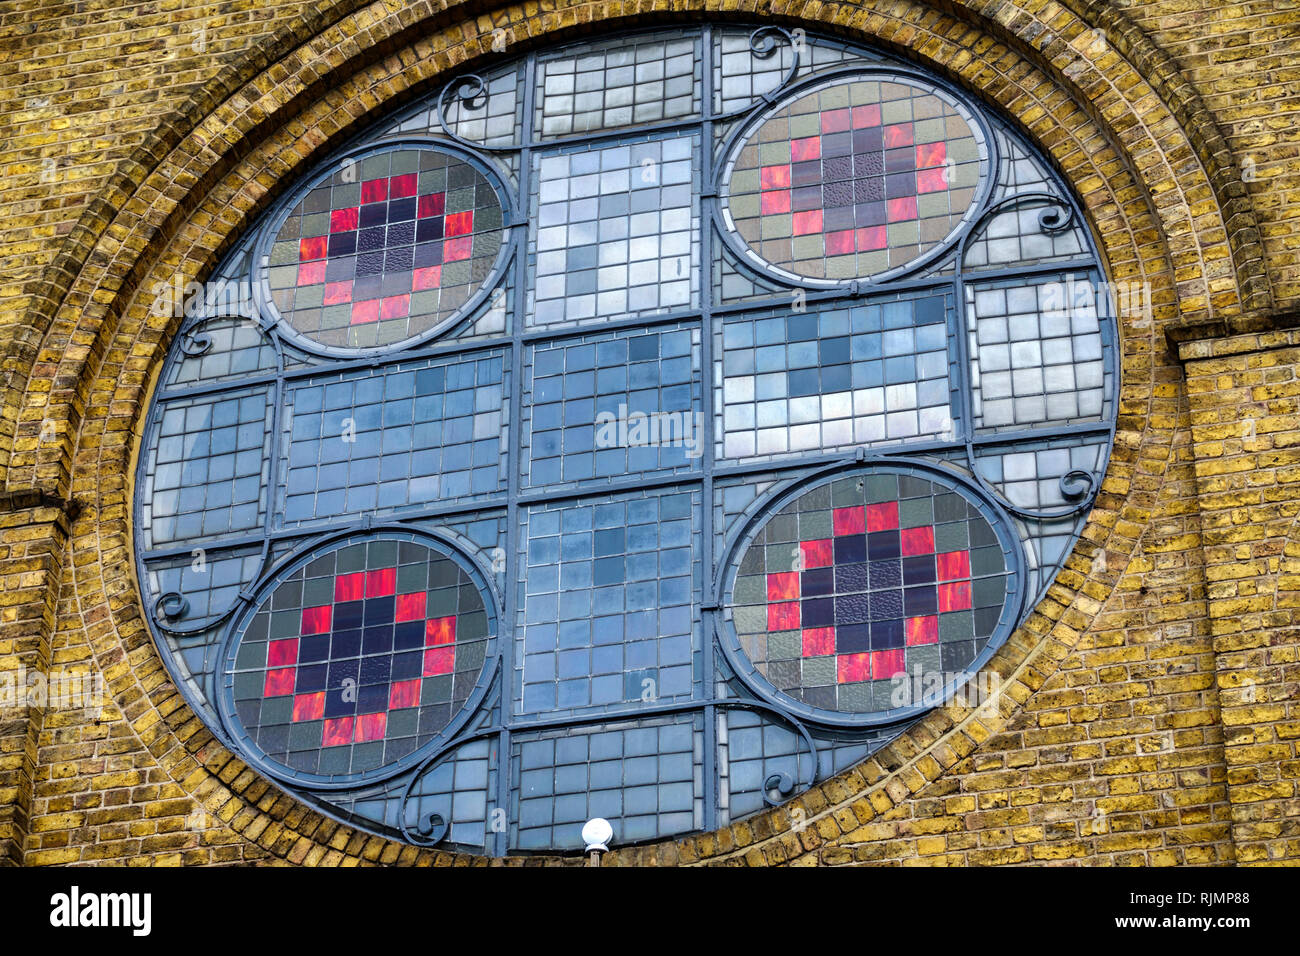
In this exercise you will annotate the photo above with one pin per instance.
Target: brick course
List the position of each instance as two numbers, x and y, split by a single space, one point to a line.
1148 714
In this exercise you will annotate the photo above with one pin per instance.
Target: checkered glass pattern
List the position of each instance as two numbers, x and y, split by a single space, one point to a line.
863 578
607 407
1036 352
386 249
360 657
853 179
607 609
645 80
800 382
378 442
615 231
208 472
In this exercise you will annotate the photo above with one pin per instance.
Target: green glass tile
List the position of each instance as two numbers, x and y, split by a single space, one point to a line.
750 589
779 557
784 645
956 626
753 620
855 697
774 154
819 670
815 525
916 512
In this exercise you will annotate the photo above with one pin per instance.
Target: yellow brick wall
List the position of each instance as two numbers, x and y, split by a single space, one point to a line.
1148 714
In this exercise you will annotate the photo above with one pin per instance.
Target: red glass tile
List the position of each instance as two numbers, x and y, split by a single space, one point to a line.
775 177
836 121
338 731
853 668
899 134
882 516
399 187
371 727
775 202
807 223
279 682
344 220
439 660
311 273
902 209
932 180
280 653
849 520
818 641
313 248
954 565
922 630
404 693
365 311
410 607
395 307
440 630
783 617
374 190
316 620
309 706
808 148
867 116
427 278
871 238
886 664
783 586
817 554
338 293
381 583
917 541
350 587
453 250
431 205
459 223
954 597
931 154
839 243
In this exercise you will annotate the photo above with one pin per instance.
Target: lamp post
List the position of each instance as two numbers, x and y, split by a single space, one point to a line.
596 833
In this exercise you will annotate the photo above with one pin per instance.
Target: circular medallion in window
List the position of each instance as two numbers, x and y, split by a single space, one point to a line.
383 249
854 179
852 585
357 658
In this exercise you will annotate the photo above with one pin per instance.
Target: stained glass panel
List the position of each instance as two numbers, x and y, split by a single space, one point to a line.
629 429
386 249
358 658
854 179
864 578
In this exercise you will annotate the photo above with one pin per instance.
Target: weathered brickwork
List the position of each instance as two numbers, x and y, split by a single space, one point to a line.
1148 715
1245 400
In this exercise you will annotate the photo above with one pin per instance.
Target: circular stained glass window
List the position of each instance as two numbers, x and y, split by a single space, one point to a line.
522 492
385 248
854 178
358 657
849 584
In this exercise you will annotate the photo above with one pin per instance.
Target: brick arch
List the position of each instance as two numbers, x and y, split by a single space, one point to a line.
211 185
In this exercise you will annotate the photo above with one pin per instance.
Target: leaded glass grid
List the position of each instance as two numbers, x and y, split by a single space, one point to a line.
646 428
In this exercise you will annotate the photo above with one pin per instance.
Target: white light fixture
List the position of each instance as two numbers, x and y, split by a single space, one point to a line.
597 833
